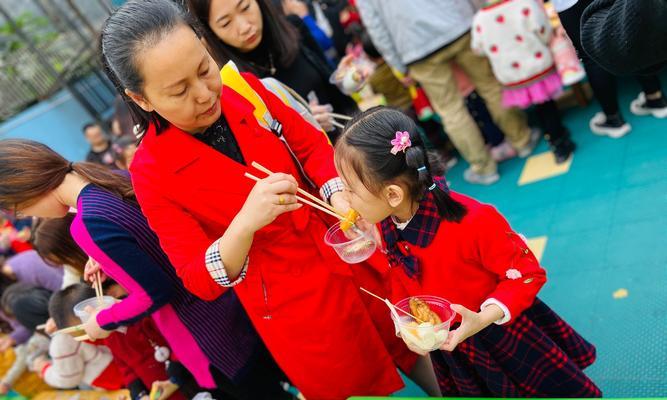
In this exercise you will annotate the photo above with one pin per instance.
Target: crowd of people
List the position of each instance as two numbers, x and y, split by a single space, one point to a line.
222 287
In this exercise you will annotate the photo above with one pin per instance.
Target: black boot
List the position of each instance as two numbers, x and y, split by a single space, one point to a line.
562 147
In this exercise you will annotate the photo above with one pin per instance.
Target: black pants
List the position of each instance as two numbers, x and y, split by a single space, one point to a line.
261 381
550 121
602 81
493 136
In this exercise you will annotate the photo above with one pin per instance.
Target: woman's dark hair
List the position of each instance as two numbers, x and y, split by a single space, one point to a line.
134 27
61 306
54 243
279 36
365 145
368 46
30 170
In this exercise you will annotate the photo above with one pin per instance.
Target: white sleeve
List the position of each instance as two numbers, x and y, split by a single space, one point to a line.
67 364
506 311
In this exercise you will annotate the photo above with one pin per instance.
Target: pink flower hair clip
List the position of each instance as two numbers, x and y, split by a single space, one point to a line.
401 142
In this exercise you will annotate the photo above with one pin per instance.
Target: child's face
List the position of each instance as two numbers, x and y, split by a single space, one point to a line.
372 208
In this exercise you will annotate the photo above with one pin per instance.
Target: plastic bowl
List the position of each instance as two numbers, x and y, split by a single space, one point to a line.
351 246
426 336
80 308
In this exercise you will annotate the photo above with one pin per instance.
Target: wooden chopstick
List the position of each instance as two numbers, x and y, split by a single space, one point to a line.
70 329
341 116
316 199
82 338
395 308
301 199
98 287
337 125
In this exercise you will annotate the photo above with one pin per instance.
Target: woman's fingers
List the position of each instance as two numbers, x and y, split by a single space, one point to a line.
283 186
277 177
284 199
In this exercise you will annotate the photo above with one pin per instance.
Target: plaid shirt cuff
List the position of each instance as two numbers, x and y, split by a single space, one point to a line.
217 269
332 186
503 307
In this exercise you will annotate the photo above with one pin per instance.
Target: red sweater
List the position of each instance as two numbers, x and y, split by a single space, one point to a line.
477 259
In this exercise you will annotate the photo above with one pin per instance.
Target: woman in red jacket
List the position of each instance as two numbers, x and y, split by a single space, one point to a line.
220 229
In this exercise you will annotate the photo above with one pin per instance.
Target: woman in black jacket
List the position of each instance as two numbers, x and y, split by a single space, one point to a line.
261 40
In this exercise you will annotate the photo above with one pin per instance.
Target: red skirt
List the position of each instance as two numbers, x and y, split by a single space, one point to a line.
537 355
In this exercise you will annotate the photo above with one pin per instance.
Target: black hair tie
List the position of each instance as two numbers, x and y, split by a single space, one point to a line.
70 166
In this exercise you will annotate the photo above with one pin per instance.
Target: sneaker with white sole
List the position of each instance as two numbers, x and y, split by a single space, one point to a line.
614 128
480 179
535 136
642 106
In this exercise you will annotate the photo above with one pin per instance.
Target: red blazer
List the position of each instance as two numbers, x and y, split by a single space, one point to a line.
300 296
477 259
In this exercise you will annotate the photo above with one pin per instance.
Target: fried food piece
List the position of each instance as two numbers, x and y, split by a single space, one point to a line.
349 220
423 312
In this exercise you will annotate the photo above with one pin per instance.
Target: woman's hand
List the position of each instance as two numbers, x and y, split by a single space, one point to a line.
471 323
91 269
92 328
322 115
270 198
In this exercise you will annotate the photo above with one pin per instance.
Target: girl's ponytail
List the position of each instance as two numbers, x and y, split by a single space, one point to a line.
448 208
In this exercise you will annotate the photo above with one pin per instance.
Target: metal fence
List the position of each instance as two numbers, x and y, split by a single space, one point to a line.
46 46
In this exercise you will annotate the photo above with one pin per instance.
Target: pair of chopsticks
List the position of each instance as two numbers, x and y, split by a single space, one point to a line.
313 200
341 117
97 285
392 306
74 329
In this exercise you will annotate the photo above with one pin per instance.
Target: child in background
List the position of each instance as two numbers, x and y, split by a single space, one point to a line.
514 35
383 81
144 359
449 245
124 149
29 305
54 243
75 363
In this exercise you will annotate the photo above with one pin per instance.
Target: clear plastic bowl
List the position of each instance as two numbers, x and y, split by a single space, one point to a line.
426 337
351 246
80 308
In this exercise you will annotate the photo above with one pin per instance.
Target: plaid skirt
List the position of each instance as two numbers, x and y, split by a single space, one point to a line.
537 355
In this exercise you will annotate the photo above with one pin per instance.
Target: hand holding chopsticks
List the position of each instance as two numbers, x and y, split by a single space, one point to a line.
311 200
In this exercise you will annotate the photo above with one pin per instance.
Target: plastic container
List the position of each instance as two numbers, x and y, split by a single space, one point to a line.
352 77
425 336
80 308
351 246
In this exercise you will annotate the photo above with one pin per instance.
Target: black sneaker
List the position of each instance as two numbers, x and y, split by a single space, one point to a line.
642 106
562 148
564 151
614 127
